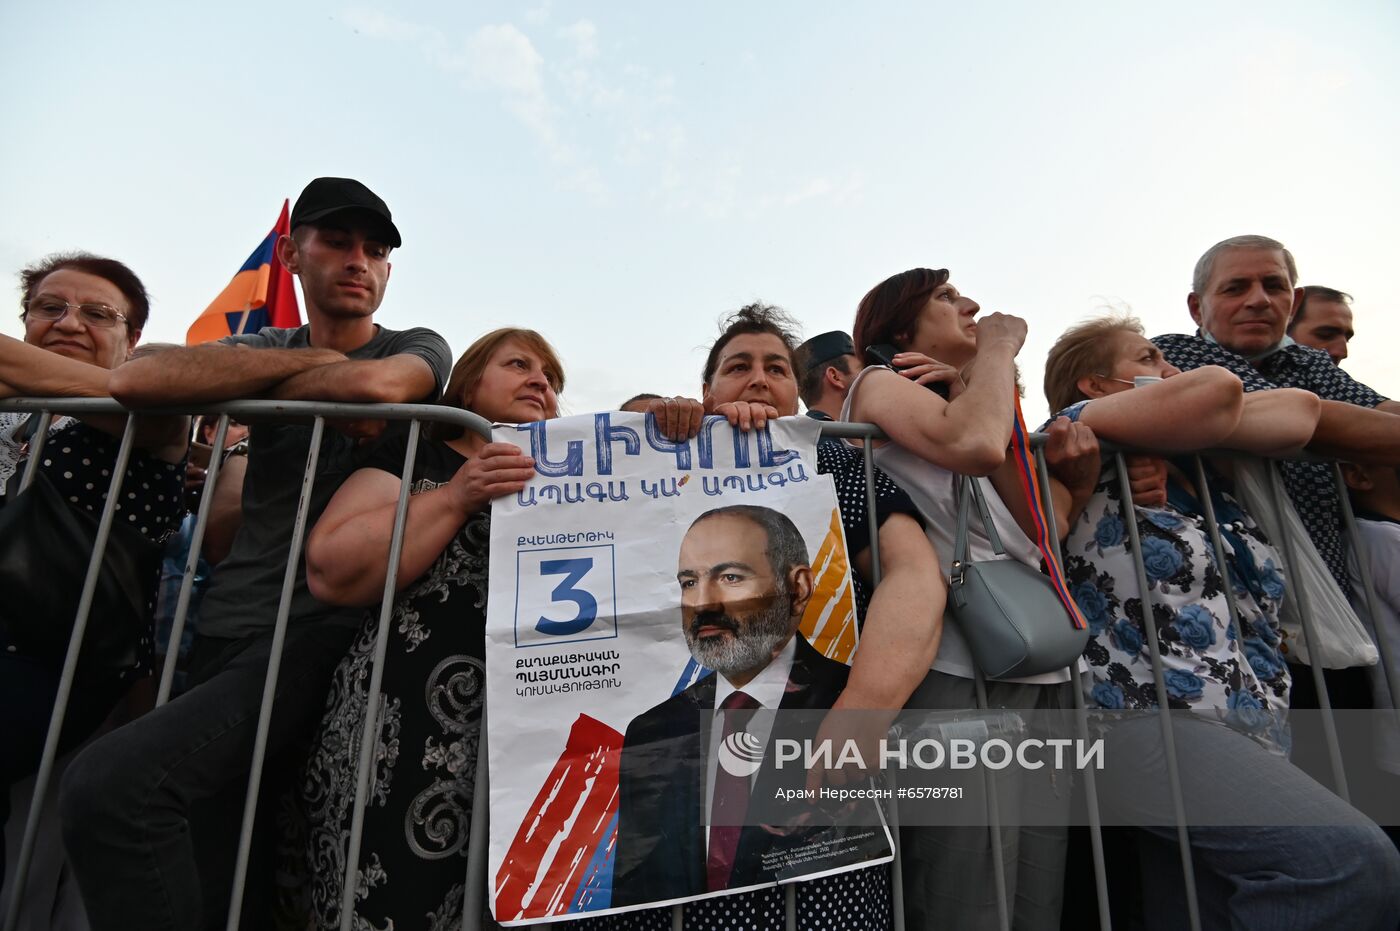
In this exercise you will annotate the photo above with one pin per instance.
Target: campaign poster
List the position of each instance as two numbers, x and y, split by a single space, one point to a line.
626 572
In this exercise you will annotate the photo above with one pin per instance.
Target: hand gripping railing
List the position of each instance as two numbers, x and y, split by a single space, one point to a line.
475 897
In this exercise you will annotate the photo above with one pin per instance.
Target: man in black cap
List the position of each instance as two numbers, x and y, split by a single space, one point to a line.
825 365
135 802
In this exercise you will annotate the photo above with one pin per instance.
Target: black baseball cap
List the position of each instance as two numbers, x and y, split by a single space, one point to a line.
326 196
823 348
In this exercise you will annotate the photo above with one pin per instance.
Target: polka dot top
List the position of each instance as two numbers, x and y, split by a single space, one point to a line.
78 461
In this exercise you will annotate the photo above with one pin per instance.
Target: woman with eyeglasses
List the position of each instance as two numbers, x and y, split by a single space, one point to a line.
916 331
82 316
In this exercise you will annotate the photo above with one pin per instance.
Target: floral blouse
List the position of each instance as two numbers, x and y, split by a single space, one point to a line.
1210 667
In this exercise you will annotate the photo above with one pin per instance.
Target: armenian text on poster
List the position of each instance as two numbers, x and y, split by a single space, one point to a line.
639 584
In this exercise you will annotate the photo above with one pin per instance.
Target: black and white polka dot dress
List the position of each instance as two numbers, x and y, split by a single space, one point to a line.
78 460
859 900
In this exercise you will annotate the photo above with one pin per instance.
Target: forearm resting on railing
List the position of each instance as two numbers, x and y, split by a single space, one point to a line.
347 554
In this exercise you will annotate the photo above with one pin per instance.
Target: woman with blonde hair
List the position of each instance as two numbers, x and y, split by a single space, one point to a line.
1270 846
417 819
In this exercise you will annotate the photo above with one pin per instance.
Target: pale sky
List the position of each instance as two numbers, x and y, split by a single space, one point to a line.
619 176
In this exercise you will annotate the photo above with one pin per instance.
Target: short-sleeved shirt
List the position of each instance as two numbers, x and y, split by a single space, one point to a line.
243 595
1311 485
846 466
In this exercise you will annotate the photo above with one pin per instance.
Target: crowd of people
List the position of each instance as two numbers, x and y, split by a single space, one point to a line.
150 809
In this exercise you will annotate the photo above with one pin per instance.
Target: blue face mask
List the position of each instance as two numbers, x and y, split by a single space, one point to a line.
1276 347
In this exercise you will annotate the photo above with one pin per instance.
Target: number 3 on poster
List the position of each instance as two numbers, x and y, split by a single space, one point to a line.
564 595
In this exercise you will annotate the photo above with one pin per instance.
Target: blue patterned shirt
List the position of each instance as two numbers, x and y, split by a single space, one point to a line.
1311 485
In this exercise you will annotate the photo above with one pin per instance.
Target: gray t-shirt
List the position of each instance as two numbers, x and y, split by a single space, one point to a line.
243 594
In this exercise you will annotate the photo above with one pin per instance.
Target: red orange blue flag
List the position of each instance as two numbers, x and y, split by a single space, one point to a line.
261 294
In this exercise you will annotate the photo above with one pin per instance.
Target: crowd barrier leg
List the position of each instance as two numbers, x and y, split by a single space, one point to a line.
474 896
369 738
1303 601
182 603
274 665
70 659
896 865
994 825
1183 836
1368 586
1217 543
41 436
1081 719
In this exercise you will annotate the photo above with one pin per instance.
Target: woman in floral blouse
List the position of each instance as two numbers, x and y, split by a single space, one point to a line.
1277 866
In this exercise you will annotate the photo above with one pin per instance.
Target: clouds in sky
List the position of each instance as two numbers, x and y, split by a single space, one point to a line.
595 116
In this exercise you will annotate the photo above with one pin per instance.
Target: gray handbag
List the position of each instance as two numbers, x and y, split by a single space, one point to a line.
1008 612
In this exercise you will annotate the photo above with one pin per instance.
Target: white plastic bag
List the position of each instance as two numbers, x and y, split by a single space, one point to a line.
1342 640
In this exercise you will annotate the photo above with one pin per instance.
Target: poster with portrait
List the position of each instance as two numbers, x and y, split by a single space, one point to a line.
628 571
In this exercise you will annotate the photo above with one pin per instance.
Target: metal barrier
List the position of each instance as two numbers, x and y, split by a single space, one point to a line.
475 893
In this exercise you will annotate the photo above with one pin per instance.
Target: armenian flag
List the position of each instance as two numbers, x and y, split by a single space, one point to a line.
261 294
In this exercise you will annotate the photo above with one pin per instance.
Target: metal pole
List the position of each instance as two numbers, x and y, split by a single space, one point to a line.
70 665
369 738
1081 717
1303 601
474 898
274 665
36 448
994 827
1149 623
182 603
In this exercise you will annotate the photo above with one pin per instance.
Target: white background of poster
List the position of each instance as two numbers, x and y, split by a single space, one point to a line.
630 584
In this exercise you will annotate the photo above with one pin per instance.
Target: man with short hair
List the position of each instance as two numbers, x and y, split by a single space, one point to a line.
135 801
639 403
745 579
1323 321
1242 296
825 367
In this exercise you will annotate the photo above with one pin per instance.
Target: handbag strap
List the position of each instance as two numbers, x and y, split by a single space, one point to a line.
1030 486
970 492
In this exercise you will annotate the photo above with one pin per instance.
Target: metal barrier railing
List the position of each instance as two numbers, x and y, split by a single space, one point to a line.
475 893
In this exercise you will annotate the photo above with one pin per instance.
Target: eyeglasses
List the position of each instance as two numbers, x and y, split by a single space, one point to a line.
51 308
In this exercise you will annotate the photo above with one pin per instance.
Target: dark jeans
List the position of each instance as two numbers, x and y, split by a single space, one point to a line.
140 805
27 690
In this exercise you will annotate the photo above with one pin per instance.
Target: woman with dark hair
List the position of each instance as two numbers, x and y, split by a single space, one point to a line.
919 322
82 316
413 856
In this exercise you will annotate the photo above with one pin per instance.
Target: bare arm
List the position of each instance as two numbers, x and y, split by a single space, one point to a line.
210 373
1194 410
968 434
225 511
903 623
399 379
1279 422
1358 434
27 370
346 556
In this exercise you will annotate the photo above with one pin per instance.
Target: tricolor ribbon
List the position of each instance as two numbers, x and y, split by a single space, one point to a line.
1030 486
